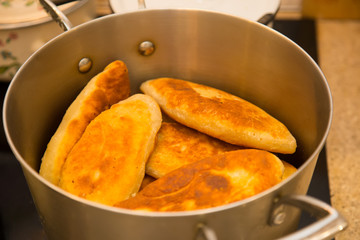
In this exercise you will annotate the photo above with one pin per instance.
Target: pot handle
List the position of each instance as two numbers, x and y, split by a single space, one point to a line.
266 18
57 15
329 224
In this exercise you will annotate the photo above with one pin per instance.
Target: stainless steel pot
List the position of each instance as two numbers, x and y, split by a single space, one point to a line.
230 53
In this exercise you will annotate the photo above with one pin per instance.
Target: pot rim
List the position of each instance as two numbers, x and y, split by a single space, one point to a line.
180 213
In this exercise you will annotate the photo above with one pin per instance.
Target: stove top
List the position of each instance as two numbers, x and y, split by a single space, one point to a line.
18 216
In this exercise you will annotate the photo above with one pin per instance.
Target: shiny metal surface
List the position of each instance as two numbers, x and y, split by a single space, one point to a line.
205 233
329 224
141 4
246 59
330 221
56 14
85 65
146 48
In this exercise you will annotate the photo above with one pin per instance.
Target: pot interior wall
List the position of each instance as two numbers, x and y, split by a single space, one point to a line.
238 56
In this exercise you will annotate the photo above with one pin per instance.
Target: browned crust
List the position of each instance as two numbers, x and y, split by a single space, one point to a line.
177 145
210 182
103 90
107 164
220 114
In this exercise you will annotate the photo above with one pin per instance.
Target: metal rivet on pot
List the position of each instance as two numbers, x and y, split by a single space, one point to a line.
205 233
85 65
279 218
146 48
278 213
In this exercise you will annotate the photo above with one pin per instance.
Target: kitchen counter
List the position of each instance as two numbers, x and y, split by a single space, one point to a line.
339 59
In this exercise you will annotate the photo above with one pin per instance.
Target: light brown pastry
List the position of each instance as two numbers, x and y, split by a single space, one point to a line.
214 181
103 90
107 164
220 115
177 145
288 170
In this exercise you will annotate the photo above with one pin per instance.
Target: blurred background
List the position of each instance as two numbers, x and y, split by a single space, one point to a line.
337 33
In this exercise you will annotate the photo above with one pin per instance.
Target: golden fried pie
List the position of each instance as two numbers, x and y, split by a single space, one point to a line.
213 181
177 145
107 164
220 115
103 90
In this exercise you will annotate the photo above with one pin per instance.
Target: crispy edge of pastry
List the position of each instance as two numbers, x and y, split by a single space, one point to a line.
222 115
106 88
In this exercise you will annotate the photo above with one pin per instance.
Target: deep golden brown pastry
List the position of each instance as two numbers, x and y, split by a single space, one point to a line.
220 115
103 90
177 145
214 181
107 164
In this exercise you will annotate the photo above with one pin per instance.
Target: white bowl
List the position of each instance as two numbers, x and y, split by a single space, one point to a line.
252 10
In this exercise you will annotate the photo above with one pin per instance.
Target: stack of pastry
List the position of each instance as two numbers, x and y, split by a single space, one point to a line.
216 149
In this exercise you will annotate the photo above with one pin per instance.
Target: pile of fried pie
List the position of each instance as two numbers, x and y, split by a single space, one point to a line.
177 146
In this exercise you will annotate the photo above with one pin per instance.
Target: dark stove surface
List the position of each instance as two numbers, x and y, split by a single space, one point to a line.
18 216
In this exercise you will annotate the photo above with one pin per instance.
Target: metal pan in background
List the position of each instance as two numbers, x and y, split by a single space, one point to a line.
25 27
